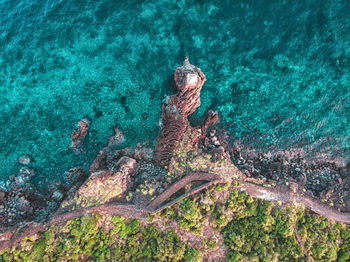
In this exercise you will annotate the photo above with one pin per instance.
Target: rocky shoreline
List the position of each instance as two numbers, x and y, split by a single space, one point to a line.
321 180
134 182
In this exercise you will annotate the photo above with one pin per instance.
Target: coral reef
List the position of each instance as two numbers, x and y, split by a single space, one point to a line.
132 174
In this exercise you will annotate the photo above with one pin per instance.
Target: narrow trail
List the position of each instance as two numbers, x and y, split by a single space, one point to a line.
301 243
286 196
14 235
179 185
209 255
215 254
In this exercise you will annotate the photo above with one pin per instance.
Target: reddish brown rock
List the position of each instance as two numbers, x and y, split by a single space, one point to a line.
141 152
174 126
77 138
99 162
211 119
105 185
117 139
189 81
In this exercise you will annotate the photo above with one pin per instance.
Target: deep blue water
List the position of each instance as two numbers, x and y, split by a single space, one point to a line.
277 72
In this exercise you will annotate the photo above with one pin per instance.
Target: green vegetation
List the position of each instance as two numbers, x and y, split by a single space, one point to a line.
325 241
192 218
247 229
191 213
209 243
261 234
98 238
257 230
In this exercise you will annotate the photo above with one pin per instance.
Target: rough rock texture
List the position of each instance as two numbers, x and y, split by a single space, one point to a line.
73 179
211 119
117 139
77 138
189 81
2 196
105 185
324 180
24 202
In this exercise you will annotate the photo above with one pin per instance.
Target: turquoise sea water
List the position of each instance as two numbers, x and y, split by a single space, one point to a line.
278 72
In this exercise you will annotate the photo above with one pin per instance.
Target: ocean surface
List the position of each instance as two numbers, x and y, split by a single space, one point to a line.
278 72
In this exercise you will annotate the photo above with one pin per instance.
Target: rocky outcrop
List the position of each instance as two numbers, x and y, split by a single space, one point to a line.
176 109
73 179
77 138
104 185
21 201
24 202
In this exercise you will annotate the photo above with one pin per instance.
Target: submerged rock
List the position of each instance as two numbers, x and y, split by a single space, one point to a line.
24 160
77 138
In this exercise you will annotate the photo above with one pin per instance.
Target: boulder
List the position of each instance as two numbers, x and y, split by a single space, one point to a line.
106 185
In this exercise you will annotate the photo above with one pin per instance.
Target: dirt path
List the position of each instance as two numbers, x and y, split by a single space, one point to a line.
215 254
179 185
14 235
209 255
286 196
301 243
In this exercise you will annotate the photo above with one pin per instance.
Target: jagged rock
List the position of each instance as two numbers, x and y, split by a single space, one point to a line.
74 178
105 185
141 152
57 196
189 81
211 119
24 206
24 160
117 139
100 162
2 196
77 138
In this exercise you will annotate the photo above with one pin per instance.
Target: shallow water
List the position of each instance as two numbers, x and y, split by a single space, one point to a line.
278 73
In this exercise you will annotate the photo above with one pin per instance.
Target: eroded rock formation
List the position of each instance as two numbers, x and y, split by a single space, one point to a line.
77 138
105 185
176 109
